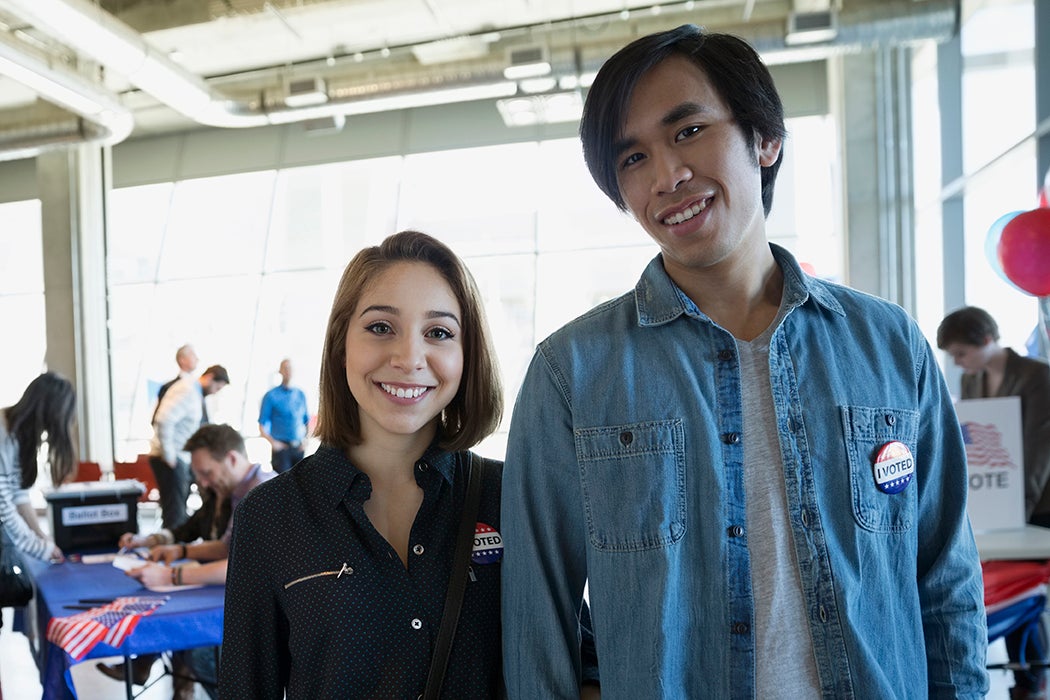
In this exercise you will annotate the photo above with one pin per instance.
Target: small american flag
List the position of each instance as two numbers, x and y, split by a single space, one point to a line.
984 446
111 623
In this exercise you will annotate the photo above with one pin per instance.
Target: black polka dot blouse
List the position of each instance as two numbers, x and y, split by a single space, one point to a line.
319 605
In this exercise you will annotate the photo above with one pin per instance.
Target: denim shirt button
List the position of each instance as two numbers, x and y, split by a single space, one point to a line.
891 419
736 531
626 438
823 614
422 466
805 519
725 355
730 438
740 628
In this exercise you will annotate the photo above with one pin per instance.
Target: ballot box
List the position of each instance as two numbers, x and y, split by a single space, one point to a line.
92 515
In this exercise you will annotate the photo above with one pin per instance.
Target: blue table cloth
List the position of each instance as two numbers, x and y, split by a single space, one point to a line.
189 618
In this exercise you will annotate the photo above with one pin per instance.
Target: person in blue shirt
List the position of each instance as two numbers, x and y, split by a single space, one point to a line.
283 418
757 476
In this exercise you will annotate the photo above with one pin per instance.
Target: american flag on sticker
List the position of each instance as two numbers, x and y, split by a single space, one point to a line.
984 446
111 623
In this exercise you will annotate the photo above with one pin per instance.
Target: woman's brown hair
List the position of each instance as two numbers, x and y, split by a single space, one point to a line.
477 408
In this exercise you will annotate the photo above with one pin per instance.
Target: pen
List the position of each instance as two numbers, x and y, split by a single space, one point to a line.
79 607
133 551
99 601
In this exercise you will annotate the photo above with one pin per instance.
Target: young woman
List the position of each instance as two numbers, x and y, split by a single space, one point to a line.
339 567
47 407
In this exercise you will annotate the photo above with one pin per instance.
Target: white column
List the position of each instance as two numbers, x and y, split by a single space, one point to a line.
73 189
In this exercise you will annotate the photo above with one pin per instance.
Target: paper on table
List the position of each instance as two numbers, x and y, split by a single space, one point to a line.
126 562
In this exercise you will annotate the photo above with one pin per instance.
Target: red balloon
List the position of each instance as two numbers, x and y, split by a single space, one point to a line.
1024 251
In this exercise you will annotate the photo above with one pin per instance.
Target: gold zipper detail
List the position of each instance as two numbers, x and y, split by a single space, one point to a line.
344 570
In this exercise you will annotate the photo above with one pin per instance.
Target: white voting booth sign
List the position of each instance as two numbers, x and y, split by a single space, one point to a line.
992 433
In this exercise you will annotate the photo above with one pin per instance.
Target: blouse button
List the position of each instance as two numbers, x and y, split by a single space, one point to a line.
418 549
417 624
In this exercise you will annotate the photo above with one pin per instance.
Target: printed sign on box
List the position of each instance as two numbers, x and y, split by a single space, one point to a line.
992 434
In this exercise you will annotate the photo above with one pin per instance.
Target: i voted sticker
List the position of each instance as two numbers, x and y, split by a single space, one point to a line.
894 467
488 545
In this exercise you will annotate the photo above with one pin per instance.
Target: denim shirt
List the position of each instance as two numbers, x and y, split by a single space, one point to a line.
624 473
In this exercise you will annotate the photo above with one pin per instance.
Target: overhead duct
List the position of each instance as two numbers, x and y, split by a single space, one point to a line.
92 32
101 119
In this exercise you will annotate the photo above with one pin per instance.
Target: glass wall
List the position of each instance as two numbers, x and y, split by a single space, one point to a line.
998 159
245 266
21 298
998 40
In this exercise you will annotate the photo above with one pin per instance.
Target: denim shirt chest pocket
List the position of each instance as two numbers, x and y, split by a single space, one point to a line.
866 430
633 481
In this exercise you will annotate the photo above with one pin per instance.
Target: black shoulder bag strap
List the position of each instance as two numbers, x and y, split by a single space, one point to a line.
457 581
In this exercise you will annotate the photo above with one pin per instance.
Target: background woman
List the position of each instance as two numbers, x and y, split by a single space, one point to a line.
339 567
47 408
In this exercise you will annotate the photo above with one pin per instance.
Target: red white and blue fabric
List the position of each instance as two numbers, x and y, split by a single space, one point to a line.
1014 594
111 623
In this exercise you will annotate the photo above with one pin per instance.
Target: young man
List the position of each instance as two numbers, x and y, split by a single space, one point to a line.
222 469
758 475
283 417
179 414
971 337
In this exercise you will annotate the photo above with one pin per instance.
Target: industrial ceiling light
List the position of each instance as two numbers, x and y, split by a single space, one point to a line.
549 108
811 27
306 92
527 62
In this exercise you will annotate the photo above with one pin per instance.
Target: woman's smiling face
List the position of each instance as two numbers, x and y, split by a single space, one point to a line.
404 352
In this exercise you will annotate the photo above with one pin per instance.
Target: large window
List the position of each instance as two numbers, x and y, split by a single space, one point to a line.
245 266
998 160
21 298
998 41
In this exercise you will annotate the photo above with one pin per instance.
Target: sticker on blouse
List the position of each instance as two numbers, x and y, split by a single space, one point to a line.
894 467
488 545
